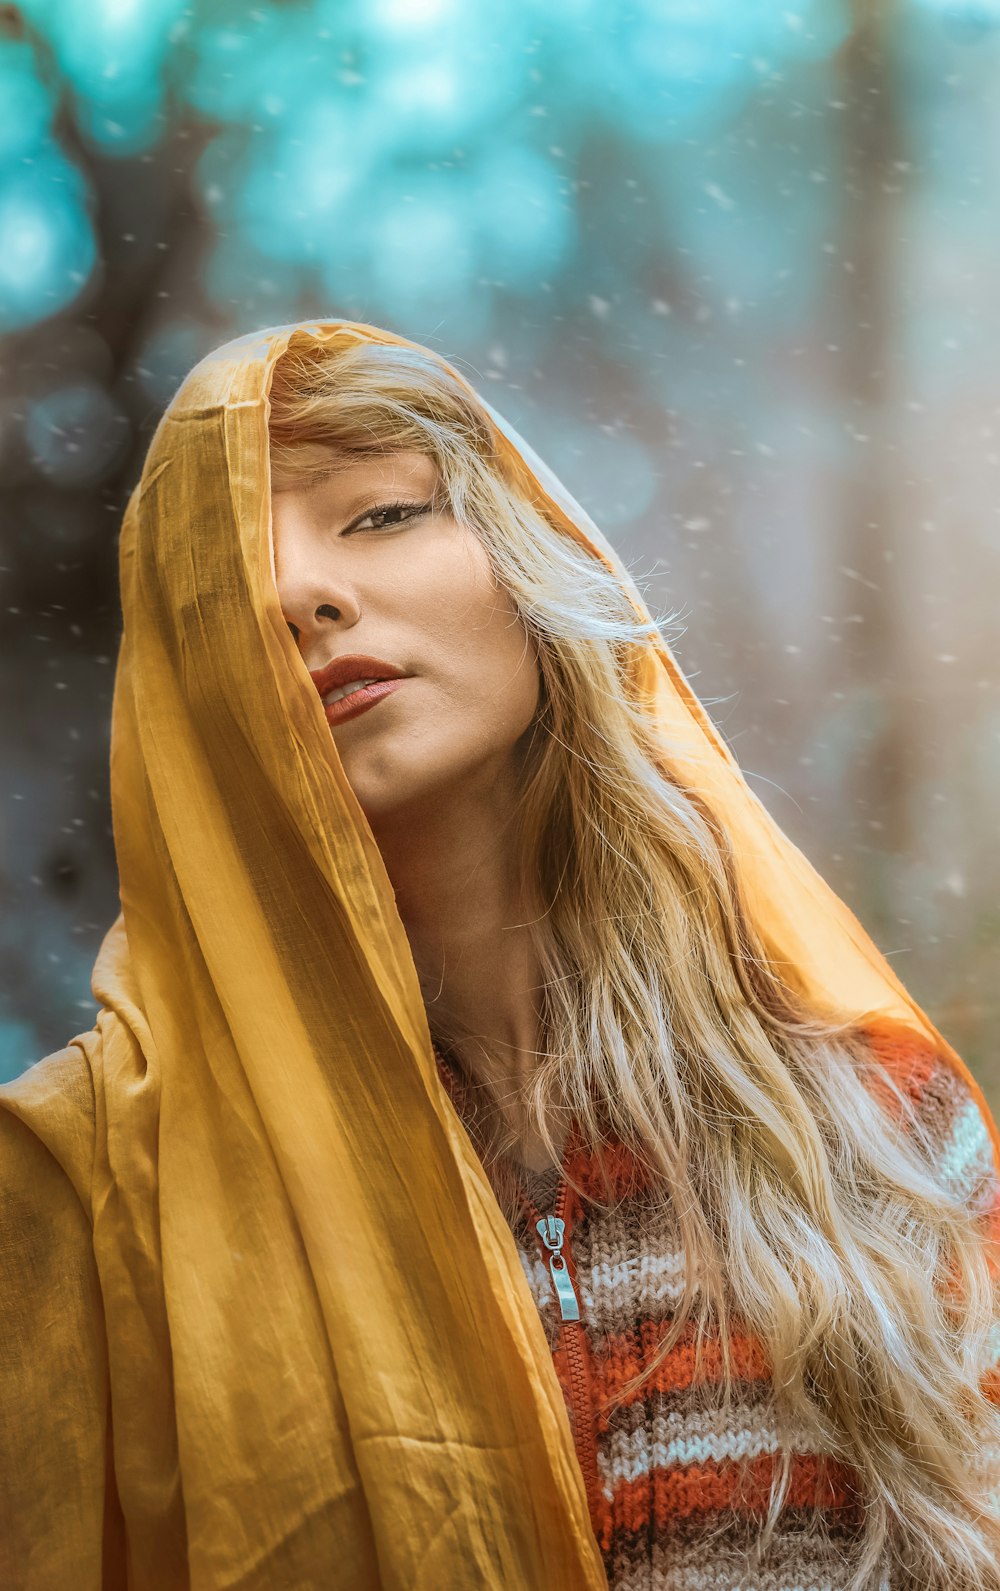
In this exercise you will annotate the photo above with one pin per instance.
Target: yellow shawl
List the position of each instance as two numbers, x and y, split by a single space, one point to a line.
264 1323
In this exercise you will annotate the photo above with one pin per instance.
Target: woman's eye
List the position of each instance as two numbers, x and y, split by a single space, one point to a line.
400 512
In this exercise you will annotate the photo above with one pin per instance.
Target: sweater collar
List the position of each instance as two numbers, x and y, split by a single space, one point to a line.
597 1169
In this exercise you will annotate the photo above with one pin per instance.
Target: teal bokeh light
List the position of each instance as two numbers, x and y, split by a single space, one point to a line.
49 249
75 434
26 105
297 193
524 216
113 57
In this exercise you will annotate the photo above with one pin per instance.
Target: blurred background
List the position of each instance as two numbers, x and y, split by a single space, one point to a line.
730 268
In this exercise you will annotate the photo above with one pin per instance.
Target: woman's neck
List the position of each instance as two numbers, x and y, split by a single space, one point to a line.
454 878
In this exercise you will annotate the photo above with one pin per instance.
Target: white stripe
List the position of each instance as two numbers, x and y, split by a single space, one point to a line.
539 1279
968 1153
670 1438
646 1285
652 1278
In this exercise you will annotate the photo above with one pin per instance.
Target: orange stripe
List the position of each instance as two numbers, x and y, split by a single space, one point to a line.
615 1360
662 1496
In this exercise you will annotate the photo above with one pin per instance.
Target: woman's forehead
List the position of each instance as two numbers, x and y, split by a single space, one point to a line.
338 477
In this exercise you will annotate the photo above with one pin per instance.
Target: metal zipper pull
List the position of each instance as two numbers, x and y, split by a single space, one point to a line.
551 1231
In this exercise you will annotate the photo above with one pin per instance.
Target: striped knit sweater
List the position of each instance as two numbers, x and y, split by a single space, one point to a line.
661 1468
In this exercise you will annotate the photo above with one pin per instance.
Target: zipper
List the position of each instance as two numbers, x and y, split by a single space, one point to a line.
553 1232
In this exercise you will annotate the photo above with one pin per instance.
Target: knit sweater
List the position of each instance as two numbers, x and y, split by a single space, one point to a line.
662 1468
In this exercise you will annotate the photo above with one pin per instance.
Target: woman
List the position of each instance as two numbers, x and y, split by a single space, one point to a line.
499 1159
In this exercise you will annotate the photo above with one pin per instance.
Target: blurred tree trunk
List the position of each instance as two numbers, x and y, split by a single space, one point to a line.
871 567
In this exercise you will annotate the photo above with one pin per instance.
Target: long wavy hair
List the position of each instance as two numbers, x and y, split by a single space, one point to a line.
810 1214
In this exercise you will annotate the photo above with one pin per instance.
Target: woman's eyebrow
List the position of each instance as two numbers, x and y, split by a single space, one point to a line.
409 481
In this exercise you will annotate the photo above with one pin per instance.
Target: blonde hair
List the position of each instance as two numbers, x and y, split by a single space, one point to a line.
810 1216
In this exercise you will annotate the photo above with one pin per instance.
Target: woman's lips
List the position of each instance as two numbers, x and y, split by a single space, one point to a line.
360 701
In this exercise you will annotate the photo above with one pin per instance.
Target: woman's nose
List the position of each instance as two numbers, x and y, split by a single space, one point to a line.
313 605
314 630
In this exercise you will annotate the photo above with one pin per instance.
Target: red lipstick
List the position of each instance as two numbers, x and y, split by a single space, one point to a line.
384 677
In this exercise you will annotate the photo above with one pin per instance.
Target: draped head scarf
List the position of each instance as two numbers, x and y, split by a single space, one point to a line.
257 1262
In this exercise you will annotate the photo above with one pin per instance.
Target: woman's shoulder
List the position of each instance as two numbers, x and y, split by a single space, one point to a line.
48 1121
940 1100
54 1434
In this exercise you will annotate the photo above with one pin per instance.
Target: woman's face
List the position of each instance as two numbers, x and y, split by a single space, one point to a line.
410 586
